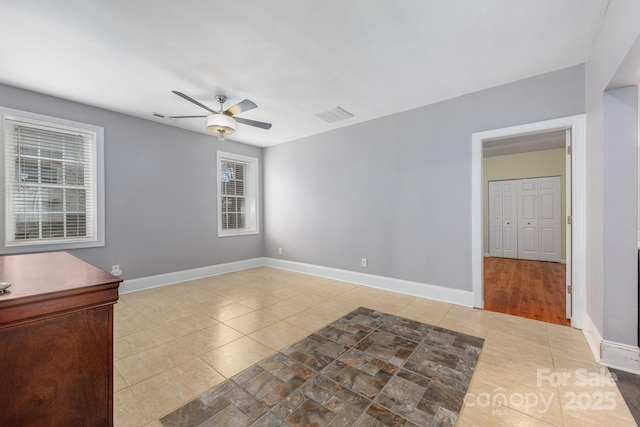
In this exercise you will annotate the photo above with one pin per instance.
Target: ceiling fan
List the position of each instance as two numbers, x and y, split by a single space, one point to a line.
222 122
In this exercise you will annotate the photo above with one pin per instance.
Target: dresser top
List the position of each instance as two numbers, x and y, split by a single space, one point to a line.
41 274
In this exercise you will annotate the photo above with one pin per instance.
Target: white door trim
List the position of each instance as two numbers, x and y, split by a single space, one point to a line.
577 263
569 227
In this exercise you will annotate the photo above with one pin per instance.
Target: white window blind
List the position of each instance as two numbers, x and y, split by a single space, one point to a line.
50 183
234 213
238 197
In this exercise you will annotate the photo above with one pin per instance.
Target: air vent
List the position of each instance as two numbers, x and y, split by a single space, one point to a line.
334 115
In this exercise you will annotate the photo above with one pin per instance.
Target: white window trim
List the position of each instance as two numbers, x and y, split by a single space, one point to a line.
252 196
40 119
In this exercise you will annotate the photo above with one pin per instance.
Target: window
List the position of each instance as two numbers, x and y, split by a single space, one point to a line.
52 190
238 198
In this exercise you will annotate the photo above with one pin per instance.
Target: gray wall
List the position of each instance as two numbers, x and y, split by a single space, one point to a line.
397 190
621 215
160 191
605 287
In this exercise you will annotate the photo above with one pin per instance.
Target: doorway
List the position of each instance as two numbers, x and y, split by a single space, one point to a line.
524 182
576 179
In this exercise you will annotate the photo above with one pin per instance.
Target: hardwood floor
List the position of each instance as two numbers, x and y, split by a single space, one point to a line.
531 289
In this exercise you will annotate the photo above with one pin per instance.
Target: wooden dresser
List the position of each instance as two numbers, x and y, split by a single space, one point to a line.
56 342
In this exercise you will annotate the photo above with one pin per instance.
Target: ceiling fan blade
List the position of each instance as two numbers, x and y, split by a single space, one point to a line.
188 98
186 117
255 123
245 105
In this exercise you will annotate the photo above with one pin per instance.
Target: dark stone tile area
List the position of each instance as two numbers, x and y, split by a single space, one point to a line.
367 368
629 385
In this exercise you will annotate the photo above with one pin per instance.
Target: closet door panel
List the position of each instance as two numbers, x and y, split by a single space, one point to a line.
549 200
528 219
495 218
509 219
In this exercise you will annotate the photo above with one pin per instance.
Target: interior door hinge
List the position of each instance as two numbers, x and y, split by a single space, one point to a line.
569 220
570 290
569 150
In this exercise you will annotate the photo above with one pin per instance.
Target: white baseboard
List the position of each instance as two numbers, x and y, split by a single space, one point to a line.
149 282
424 290
621 356
487 255
593 336
609 353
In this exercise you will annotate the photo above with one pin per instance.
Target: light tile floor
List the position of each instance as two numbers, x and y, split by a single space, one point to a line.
175 342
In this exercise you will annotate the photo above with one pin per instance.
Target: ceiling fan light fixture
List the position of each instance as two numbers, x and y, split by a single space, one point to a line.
221 125
222 122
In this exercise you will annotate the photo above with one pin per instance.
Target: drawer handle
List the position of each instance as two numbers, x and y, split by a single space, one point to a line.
4 286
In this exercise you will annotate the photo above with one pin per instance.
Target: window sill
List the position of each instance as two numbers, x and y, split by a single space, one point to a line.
48 247
237 233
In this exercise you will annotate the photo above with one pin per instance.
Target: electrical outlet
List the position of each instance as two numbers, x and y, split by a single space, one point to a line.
364 262
115 270
280 251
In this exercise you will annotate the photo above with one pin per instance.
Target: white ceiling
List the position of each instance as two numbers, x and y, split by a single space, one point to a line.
294 58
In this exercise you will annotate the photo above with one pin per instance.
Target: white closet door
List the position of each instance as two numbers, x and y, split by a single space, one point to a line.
528 219
509 219
549 225
495 218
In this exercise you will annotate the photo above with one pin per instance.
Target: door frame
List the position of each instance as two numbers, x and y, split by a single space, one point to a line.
576 259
